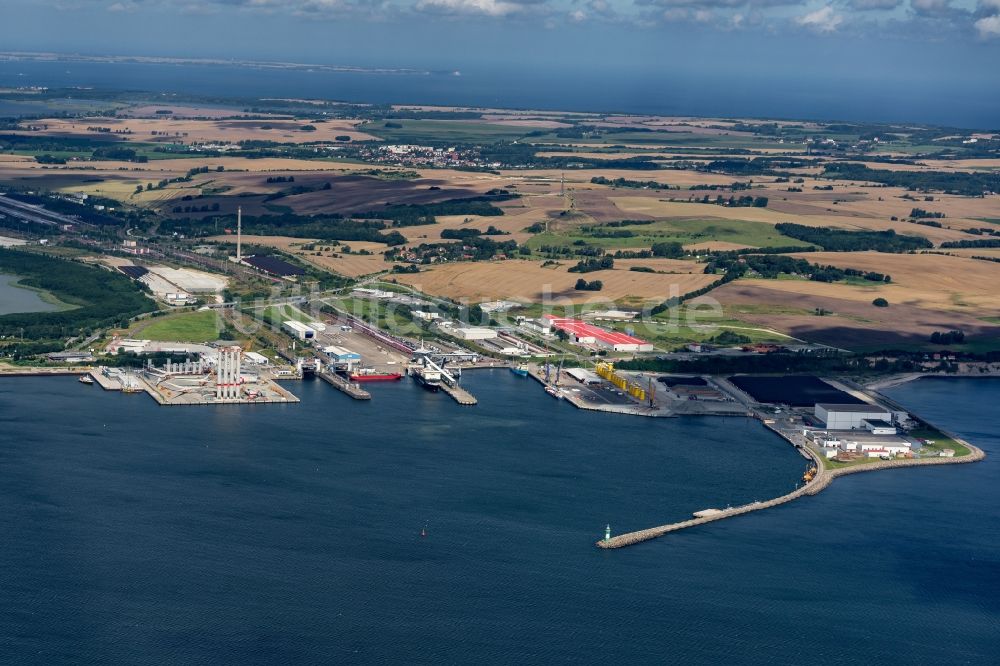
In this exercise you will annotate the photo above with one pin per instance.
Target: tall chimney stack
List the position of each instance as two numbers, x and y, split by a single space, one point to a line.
239 234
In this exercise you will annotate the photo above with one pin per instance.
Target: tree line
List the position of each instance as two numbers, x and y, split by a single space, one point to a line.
840 240
103 298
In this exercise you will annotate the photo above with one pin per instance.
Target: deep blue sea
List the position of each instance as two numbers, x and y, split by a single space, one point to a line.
138 534
645 90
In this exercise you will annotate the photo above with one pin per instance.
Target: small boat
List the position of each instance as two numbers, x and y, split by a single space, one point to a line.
554 392
521 369
86 379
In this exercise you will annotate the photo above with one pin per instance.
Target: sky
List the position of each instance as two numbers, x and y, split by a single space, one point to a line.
835 45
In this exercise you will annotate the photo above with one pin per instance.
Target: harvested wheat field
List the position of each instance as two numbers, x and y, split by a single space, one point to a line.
519 214
851 323
351 265
527 281
974 251
922 280
283 243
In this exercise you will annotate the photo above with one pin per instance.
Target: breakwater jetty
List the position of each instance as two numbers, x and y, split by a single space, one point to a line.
823 478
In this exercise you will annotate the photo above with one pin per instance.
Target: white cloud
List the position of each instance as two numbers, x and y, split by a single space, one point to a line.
823 19
487 7
988 26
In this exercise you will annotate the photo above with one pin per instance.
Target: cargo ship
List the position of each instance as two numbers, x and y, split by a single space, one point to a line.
521 369
428 378
373 375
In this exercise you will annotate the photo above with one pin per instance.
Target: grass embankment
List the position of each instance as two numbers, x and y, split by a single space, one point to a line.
940 441
186 327
834 464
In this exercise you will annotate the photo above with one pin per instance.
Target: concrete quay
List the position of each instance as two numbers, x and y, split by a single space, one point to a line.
345 386
19 371
460 395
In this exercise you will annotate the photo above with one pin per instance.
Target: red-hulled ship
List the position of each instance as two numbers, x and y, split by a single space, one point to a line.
372 375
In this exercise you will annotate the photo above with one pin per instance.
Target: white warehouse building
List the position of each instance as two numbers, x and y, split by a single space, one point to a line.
850 417
475 333
299 330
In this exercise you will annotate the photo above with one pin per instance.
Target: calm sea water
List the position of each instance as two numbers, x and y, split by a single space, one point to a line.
657 90
139 534
18 299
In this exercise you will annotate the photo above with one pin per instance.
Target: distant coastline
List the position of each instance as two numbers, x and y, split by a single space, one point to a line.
29 56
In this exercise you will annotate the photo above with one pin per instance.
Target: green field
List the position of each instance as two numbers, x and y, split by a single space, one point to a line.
418 131
187 327
686 232
941 441
384 315
835 464
668 139
276 314
674 334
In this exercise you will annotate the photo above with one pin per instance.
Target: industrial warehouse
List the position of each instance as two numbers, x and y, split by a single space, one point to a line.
584 334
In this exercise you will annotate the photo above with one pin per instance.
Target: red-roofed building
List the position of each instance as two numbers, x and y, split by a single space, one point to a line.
582 333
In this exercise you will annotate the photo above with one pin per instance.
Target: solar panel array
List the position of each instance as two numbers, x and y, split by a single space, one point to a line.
794 390
134 272
273 265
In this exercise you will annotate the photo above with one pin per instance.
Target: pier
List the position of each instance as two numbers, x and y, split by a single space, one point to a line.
344 385
460 395
824 477
448 380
